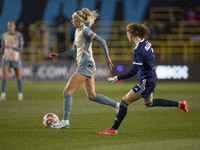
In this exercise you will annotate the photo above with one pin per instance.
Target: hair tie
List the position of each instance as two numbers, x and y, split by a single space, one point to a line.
84 12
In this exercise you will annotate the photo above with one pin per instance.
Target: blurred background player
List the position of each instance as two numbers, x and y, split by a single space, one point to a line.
12 45
144 65
85 72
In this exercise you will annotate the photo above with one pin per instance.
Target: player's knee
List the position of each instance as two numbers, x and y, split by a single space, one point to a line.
65 91
91 96
5 75
149 104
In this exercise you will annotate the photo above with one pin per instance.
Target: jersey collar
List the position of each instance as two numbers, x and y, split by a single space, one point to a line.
138 43
81 27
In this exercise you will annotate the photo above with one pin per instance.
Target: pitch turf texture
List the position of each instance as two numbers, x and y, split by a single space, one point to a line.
143 129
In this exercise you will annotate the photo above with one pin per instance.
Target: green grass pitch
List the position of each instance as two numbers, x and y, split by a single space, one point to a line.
143 128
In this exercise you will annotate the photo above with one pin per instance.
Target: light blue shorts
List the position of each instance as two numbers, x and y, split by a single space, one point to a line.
12 64
88 71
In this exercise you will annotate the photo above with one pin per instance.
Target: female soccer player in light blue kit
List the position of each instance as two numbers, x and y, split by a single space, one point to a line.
85 72
12 45
144 65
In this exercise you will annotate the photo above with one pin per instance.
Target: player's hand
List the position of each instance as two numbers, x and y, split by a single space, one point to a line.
8 46
112 79
109 64
52 54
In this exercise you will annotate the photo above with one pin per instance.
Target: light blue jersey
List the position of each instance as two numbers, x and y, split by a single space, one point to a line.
11 56
82 48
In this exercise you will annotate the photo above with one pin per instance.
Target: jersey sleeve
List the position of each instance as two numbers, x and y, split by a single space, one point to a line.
133 71
2 46
89 34
71 52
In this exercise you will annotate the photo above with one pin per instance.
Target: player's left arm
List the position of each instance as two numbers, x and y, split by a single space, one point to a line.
89 34
21 44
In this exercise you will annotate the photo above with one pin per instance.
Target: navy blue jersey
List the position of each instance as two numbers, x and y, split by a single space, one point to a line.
143 62
145 59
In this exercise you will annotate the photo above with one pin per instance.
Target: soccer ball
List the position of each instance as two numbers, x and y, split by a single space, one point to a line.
50 119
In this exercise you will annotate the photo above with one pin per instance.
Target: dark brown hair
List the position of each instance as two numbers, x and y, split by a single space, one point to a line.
139 30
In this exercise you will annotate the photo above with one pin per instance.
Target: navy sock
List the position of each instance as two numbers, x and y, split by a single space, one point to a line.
164 103
120 115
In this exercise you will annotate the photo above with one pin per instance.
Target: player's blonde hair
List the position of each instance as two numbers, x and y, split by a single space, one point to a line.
87 15
139 30
11 21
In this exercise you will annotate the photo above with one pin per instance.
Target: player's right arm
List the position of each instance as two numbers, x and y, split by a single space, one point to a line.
133 71
2 47
137 63
71 52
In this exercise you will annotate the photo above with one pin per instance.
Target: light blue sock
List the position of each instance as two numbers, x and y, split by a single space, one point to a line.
67 106
3 85
19 85
104 100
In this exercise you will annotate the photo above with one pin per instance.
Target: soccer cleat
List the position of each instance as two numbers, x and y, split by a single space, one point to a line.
109 131
20 97
183 106
61 124
117 107
2 98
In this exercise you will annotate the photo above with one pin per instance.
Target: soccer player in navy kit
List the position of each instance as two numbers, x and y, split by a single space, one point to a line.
144 65
85 72
12 45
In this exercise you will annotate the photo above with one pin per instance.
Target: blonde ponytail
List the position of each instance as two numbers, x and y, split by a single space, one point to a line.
91 15
87 15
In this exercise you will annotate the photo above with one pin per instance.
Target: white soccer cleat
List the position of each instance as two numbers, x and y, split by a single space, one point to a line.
64 124
20 96
117 107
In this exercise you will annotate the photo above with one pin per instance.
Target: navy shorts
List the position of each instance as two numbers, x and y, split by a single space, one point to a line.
145 87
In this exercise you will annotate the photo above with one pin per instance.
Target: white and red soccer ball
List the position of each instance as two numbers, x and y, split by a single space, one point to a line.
50 119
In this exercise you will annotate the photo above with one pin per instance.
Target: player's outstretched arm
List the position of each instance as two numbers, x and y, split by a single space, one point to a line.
52 54
71 52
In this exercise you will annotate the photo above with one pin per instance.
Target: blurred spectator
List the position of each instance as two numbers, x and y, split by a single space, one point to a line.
189 12
162 30
20 28
153 30
121 31
60 24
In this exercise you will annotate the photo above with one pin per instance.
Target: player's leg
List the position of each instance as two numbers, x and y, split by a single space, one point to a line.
150 102
19 83
89 86
129 98
73 84
5 71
